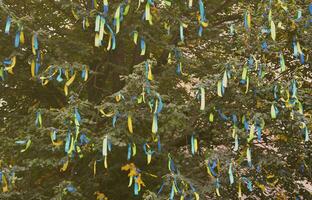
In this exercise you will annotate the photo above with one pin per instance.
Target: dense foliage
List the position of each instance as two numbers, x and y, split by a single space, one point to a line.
155 99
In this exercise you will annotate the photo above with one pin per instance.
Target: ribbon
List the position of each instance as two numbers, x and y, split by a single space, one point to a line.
7 25
38 121
194 144
148 152
130 128
34 42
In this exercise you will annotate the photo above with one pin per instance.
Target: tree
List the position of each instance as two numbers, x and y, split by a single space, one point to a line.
176 99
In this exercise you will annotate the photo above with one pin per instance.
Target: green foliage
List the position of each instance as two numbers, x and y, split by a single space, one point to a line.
224 72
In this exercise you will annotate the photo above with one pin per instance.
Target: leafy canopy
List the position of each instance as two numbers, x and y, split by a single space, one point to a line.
155 99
